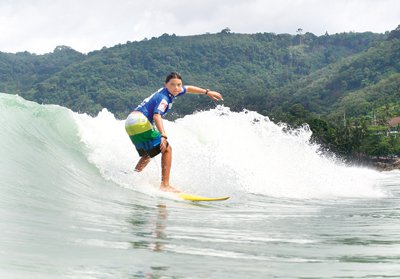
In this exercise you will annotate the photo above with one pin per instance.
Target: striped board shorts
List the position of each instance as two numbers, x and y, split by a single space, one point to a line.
143 135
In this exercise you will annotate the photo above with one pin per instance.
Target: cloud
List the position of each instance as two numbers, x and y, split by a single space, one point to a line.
87 25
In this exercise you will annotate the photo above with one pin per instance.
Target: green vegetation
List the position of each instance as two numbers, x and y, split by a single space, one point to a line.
345 86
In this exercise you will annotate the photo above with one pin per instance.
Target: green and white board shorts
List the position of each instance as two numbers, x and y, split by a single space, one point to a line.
143 135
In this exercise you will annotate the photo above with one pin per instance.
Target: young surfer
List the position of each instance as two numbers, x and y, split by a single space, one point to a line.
151 141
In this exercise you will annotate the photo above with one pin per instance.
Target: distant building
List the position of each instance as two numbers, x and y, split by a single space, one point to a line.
394 122
394 125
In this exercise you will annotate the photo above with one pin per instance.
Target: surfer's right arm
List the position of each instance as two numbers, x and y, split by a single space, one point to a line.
160 127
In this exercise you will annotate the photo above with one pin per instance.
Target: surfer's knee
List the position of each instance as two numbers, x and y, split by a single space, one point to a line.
168 149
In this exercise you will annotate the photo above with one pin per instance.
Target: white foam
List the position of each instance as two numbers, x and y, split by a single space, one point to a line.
220 152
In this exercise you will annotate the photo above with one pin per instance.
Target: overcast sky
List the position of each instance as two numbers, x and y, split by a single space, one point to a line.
38 26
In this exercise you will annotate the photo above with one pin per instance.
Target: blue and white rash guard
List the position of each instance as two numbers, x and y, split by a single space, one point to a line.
159 102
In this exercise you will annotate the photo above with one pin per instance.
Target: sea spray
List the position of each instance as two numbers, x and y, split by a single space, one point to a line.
219 152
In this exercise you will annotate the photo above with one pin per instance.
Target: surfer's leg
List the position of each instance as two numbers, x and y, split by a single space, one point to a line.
142 163
166 161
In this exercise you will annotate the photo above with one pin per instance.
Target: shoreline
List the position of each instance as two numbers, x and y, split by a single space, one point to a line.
386 163
378 163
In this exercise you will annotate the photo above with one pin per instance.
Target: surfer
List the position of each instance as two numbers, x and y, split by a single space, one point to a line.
151 141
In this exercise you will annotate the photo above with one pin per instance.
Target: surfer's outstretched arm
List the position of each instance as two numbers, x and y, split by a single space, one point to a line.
216 96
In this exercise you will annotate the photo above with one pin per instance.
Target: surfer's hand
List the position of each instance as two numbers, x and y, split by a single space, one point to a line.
163 145
216 96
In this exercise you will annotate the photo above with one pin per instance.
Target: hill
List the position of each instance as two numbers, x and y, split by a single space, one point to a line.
337 87
244 67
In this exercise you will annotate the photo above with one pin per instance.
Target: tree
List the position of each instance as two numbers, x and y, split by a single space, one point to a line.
395 34
226 30
300 32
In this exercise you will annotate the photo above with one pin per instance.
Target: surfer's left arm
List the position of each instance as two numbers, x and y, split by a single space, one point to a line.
216 96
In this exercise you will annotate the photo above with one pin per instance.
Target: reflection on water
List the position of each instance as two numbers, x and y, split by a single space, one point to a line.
159 234
149 229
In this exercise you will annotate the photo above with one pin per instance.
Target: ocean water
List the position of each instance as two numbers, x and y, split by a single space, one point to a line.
72 207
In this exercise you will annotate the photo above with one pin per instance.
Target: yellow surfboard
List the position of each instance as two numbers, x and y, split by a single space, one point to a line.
190 197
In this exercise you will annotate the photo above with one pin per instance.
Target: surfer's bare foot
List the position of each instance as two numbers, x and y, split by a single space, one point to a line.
169 189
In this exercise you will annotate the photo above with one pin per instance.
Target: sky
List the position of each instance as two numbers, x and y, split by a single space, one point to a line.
39 26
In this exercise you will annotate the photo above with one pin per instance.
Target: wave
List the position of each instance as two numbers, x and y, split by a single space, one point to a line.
215 152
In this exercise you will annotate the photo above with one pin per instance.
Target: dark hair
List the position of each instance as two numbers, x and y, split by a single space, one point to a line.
173 75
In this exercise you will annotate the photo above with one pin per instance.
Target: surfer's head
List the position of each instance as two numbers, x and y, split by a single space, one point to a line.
173 83
173 75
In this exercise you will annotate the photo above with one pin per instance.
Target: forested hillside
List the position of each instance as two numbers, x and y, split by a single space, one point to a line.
337 83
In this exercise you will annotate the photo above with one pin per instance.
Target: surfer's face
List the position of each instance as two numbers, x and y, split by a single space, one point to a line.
174 86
